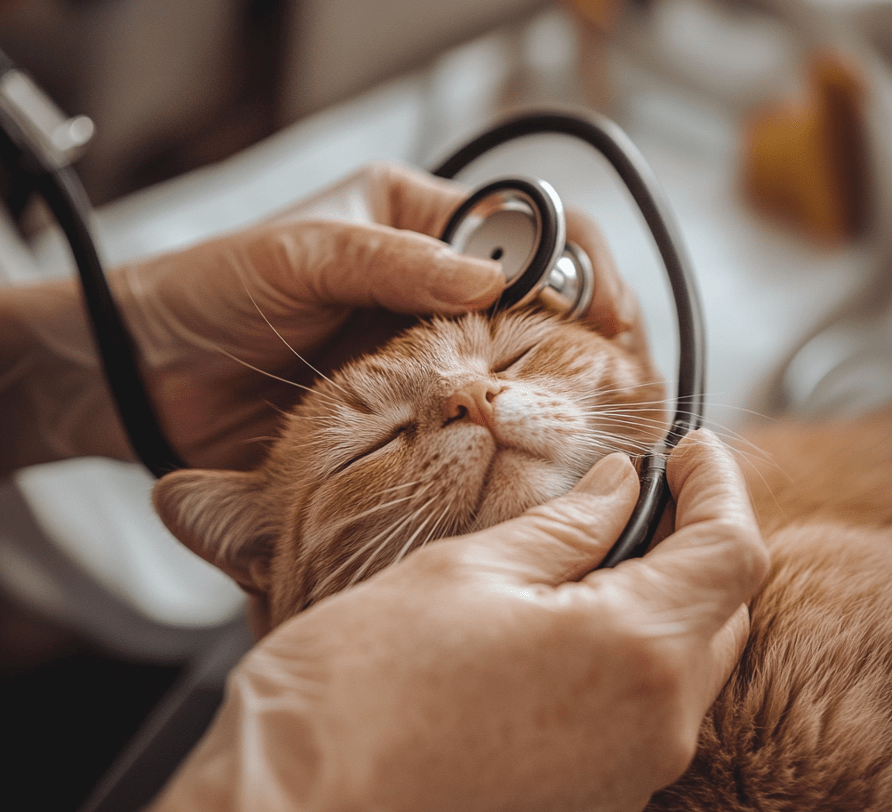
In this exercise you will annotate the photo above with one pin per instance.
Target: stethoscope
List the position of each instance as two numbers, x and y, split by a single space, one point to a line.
521 222
518 221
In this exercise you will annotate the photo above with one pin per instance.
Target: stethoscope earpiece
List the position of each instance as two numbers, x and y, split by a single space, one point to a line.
521 223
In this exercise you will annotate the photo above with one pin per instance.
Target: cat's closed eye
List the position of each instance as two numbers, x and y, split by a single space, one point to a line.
506 364
399 431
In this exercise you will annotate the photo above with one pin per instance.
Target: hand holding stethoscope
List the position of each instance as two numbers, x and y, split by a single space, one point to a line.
519 221
522 221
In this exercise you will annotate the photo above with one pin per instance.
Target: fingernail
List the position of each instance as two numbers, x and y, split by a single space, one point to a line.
607 475
467 280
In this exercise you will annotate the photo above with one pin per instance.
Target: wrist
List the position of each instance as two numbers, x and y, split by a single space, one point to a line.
53 400
259 753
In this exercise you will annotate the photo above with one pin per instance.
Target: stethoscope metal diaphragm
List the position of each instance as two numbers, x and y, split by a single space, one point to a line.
520 222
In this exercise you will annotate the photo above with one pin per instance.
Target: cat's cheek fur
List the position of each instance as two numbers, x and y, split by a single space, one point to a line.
517 482
359 521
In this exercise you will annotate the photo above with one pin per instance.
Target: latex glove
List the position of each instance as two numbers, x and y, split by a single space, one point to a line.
492 672
193 312
287 287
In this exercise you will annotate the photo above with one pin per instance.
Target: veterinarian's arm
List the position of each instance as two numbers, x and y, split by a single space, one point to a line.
53 403
492 672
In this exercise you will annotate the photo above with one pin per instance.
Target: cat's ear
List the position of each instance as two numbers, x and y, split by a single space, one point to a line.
223 517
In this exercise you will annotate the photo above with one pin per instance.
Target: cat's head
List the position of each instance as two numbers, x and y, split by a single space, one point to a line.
451 427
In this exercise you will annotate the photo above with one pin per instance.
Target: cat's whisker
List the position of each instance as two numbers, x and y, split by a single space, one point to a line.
402 485
437 531
603 391
376 509
620 426
609 443
262 438
410 542
653 412
284 341
439 528
387 533
631 416
743 410
605 403
628 414
321 418
756 459
406 521
607 420
262 371
271 375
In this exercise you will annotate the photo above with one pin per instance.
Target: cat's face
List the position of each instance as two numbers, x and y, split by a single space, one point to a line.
454 426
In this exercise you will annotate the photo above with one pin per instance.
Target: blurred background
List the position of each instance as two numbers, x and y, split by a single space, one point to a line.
767 122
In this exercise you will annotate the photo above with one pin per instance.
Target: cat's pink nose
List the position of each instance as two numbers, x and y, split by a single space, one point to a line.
473 400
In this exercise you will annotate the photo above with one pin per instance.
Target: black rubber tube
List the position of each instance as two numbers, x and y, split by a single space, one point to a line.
60 187
608 139
65 196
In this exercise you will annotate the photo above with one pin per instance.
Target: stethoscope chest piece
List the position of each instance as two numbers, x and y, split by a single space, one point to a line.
521 223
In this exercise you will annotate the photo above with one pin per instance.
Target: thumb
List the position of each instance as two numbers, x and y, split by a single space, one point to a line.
372 265
566 538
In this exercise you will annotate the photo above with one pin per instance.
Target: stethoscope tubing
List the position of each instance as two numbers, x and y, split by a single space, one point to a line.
608 138
61 189
63 193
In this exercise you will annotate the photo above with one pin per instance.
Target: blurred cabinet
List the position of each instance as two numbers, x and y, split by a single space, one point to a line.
175 85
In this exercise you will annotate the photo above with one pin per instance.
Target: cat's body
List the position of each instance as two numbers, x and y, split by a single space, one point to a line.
805 722
461 424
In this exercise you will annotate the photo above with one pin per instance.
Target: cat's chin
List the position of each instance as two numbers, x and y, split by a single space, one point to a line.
517 481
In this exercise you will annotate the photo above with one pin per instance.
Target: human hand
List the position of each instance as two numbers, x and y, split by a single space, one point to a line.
233 327
221 328
299 294
496 670
227 330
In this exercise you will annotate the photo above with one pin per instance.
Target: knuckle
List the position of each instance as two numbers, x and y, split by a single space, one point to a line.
748 547
450 561
272 252
655 660
665 682
661 672
758 560
373 171
660 683
378 169
380 174
677 752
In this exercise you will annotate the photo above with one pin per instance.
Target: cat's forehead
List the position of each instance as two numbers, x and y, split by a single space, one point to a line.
444 346
487 335
427 354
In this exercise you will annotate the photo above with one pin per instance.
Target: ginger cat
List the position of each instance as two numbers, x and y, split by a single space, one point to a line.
457 425
452 427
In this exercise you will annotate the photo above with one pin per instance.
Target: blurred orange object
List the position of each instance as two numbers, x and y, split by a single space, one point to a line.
602 14
805 161
596 21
